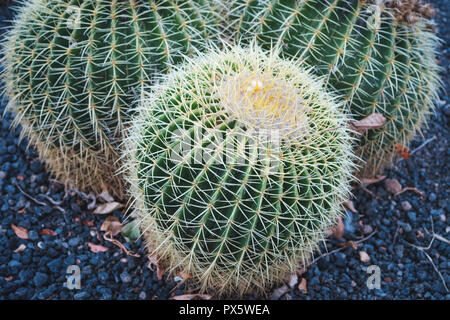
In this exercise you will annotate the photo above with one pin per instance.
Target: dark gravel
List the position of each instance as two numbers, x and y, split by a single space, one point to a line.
396 227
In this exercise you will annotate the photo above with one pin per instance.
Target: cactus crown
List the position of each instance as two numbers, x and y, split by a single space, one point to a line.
238 164
380 56
75 68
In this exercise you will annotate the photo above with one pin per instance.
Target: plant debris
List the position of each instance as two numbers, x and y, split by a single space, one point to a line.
21 232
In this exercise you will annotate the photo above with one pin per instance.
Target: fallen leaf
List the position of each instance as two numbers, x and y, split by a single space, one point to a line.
20 178
89 223
367 181
112 225
363 256
402 151
350 206
393 186
21 210
108 207
279 292
47 232
159 272
293 279
106 196
154 262
192 297
131 231
95 248
349 244
21 248
372 121
302 286
21 232
339 229
93 201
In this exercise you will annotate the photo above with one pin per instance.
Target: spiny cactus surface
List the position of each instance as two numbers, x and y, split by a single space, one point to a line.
378 55
74 69
238 164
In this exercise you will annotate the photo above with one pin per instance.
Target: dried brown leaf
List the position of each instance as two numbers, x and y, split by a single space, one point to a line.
47 232
350 206
107 208
106 196
21 248
279 292
372 121
112 225
339 229
302 286
154 262
89 223
95 248
21 232
349 244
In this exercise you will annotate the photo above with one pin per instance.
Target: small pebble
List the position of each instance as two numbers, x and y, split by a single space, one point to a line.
406 206
125 277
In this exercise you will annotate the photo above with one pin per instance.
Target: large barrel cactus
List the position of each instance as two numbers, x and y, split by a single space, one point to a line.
75 68
378 55
238 163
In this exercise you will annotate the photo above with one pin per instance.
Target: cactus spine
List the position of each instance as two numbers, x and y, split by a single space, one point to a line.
378 55
238 164
74 68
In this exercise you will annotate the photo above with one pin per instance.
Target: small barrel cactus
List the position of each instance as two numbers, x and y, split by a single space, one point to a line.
378 55
238 164
74 70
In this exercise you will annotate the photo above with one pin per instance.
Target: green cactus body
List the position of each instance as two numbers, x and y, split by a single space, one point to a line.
238 164
375 61
74 70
